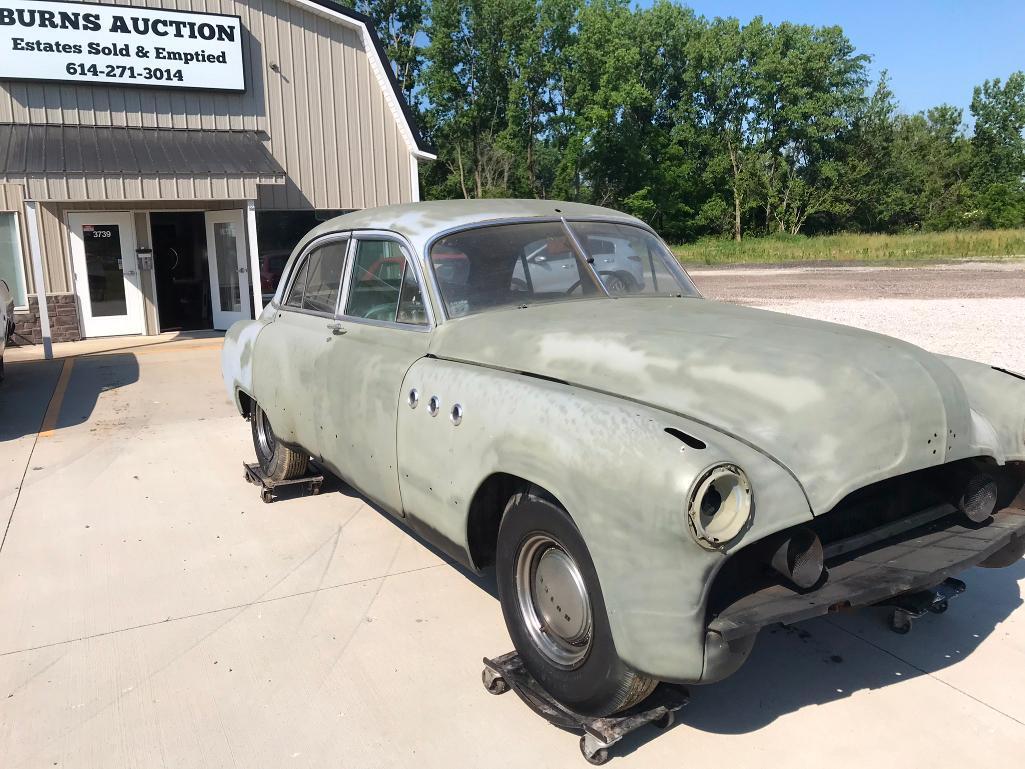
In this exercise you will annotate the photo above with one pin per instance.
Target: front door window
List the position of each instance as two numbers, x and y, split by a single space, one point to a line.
105 267
384 286
226 240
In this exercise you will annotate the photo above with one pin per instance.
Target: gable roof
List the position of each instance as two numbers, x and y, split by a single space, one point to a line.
381 66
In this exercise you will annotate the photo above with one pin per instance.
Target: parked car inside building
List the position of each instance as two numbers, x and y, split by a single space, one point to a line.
654 476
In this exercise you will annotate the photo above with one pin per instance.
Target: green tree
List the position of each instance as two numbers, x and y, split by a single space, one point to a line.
809 85
467 82
399 23
724 115
998 151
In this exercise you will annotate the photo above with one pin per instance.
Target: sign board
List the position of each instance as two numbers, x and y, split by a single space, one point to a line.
91 43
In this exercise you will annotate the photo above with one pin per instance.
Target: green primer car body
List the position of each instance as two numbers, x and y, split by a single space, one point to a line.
615 407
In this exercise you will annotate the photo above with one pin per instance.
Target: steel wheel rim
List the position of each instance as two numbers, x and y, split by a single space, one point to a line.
265 435
554 605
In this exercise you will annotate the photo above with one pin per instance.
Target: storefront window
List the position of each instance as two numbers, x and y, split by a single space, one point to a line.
11 265
278 233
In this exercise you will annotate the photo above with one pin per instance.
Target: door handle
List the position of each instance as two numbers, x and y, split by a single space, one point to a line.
129 272
337 328
243 269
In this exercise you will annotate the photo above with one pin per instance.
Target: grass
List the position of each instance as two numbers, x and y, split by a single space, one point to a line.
874 249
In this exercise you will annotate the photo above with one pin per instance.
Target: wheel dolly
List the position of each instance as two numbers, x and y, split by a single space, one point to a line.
599 733
908 607
268 488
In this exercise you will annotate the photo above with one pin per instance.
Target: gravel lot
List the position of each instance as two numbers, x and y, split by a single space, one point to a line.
974 311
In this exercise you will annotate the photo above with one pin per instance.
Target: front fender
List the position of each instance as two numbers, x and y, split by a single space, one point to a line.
997 402
621 477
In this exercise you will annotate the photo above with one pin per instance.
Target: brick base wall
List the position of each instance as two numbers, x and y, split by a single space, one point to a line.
63 320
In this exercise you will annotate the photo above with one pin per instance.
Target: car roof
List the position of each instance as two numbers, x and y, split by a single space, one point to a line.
419 222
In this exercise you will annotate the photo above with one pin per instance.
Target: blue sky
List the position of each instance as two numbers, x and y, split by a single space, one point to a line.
934 50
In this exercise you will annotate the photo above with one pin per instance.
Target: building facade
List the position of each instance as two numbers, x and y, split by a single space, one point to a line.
160 158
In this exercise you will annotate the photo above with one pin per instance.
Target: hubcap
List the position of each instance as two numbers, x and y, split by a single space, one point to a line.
553 601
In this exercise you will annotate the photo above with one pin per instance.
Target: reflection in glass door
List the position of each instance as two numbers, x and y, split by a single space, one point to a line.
106 274
229 267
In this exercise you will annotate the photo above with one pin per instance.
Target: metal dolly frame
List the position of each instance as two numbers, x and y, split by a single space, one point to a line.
908 607
598 733
268 487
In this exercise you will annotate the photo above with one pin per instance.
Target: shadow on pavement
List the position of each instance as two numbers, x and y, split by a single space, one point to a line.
26 394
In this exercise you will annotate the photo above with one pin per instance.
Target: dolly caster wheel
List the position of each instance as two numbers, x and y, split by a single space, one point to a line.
900 623
665 721
593 757
267 497
493 683
938 608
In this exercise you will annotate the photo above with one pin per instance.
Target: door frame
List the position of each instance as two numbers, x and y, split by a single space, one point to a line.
134 304
243 263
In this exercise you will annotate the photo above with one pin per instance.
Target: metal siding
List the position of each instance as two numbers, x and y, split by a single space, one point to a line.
330 124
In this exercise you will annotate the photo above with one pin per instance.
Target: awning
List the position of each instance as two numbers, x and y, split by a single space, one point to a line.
59 158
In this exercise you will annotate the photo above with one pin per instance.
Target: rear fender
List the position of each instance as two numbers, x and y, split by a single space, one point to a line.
237 359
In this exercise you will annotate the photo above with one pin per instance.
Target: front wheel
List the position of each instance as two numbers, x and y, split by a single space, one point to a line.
278 461
555 612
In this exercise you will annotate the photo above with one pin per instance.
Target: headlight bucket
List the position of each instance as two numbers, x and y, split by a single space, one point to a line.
720 506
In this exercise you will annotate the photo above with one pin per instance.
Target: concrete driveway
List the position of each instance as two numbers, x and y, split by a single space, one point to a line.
155 613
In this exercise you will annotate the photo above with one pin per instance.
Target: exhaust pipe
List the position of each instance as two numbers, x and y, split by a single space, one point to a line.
978 498
799 558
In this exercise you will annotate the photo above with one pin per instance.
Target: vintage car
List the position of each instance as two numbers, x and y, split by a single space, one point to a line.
653 475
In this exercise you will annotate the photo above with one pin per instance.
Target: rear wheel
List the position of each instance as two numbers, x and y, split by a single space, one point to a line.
278 461
555 612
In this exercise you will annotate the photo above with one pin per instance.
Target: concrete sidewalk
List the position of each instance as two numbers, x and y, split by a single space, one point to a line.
155 613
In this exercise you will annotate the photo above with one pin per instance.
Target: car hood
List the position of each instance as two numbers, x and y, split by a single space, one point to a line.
838 407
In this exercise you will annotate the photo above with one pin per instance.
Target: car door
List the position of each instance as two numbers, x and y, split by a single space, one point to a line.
384 328
288 382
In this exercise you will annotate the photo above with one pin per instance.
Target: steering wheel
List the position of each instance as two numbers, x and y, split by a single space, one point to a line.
381 312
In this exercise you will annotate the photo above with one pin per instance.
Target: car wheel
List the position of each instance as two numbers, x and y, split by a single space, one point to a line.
555 612
615 284
278 461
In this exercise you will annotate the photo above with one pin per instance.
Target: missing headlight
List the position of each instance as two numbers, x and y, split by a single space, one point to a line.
720 506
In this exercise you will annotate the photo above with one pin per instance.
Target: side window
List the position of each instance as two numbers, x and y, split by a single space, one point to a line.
295 293
383 285
324 278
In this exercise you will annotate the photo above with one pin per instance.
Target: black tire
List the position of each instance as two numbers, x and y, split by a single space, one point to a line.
597 684
278 461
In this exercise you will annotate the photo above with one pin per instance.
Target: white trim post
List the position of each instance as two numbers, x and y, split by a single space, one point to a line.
255 278
31 225
414 179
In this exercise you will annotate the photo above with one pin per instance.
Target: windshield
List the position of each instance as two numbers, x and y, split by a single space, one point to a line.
510 265
504 265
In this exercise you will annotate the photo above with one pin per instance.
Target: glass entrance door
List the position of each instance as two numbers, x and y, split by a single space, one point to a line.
106 273
230 290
